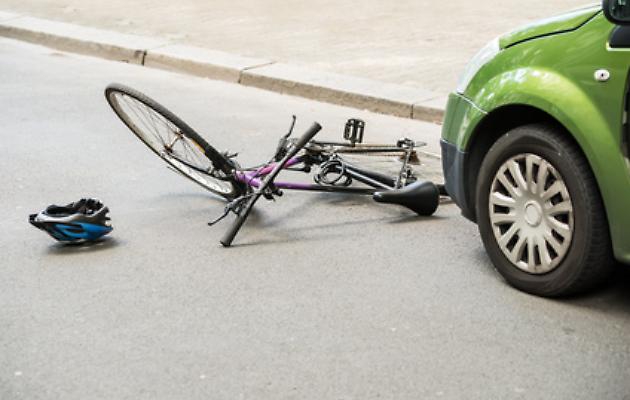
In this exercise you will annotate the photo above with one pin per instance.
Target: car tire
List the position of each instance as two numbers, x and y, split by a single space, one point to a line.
548 234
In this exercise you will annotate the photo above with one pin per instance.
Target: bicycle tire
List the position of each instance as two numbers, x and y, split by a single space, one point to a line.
149 120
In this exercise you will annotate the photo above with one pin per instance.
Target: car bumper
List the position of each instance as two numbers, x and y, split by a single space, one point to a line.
460 118
453 166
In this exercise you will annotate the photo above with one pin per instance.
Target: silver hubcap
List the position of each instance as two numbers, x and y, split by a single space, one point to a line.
531 213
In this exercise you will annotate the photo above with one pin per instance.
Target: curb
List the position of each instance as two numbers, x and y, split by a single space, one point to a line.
201 62
379 97
397 100
77 39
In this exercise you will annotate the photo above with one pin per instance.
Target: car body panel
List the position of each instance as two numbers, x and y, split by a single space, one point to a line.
459 123
561 23
556 74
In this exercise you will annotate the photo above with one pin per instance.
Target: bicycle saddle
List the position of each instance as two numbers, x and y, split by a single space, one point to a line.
422 197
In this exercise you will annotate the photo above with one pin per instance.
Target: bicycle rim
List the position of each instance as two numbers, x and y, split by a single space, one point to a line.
171 139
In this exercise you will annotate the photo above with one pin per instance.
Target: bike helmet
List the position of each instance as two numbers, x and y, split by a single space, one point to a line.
83 221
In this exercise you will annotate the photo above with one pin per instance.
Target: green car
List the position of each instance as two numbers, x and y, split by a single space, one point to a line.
536 149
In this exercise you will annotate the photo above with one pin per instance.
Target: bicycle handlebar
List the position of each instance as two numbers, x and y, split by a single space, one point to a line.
229 236
306 137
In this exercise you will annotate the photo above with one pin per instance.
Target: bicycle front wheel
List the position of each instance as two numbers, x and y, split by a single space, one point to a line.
174 141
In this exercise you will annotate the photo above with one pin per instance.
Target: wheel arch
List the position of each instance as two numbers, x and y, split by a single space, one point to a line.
494 125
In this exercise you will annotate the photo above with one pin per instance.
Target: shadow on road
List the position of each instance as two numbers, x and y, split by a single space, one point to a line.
192 195
327 230
613 297
82 248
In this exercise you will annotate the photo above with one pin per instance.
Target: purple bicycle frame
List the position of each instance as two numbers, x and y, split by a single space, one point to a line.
255 178
252 178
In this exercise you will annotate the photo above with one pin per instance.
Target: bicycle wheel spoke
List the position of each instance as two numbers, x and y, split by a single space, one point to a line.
169 137
140 116
192 156
151 118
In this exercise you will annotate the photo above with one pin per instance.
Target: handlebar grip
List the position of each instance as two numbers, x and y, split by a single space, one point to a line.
229 236
308 135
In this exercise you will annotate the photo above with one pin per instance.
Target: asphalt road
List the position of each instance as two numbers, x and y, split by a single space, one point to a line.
326 297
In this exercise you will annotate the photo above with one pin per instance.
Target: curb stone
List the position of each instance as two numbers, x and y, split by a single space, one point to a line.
201 62
338 89
431 110
78 39
385 98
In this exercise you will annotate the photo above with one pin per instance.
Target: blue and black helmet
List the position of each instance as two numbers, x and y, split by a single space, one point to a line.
83 221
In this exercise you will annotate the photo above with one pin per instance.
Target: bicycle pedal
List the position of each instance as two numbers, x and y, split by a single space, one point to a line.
354 130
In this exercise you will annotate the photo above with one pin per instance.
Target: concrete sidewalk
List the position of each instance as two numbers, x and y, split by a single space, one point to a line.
397 58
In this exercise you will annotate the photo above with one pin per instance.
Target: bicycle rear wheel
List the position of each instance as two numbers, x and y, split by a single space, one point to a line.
174 141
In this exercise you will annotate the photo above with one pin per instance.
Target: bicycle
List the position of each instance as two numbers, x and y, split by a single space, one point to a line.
192 156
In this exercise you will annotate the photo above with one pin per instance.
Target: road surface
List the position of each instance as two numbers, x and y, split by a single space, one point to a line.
325 297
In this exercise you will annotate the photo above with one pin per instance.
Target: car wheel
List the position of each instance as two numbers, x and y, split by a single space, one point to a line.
540 213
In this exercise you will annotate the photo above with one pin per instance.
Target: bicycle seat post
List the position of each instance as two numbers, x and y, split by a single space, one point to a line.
408 146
